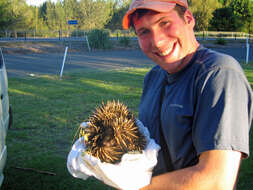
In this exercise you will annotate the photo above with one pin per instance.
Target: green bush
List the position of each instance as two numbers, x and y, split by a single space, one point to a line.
99 39
77 33
221 41
124 41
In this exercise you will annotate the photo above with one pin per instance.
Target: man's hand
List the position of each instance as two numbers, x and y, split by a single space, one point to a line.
216 169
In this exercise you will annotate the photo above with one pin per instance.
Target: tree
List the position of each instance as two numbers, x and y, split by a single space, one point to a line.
225 3
6 17
119 10
203 12
22 17
224 19
94 14
71 8
244 10
60 16
51 16
43 11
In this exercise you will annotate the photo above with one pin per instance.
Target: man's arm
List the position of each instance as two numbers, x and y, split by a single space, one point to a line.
216 169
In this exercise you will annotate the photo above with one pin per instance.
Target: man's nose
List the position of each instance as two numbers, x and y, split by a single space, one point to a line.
158 40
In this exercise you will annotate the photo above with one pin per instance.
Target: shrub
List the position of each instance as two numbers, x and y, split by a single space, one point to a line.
99 39
77 33
221 41
124 41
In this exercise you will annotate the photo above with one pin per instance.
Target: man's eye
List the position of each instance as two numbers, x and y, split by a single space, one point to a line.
142 32
164 23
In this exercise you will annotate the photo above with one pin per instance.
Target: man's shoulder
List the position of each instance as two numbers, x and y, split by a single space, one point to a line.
156 71
211 59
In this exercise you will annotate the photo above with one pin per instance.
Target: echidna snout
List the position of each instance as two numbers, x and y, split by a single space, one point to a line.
106 137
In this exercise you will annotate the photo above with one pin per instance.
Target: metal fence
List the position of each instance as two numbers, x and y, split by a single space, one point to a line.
33 34
219 34
81 35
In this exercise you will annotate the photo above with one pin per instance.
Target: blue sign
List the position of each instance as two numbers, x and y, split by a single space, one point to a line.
72 22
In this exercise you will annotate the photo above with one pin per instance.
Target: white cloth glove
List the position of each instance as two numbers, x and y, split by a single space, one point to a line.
133 172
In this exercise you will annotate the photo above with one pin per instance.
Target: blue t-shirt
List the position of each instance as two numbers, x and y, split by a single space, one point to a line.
205 106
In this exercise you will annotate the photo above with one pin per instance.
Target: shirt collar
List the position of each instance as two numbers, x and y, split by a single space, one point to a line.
171 78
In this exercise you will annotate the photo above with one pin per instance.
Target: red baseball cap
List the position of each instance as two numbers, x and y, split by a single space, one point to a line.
154 5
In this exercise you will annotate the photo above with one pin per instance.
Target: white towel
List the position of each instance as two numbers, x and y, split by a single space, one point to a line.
133 172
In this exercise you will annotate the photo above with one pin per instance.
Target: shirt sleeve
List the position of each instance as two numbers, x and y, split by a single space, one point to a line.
223 111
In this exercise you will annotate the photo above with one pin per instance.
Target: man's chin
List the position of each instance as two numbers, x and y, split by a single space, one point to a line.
172 66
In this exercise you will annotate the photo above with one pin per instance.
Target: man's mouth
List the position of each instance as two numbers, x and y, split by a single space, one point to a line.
167 51
164 53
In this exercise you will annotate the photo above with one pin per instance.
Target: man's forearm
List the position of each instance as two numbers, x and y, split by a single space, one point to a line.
181 179
215 170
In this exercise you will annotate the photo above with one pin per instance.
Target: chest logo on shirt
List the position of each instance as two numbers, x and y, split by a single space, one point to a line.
176 105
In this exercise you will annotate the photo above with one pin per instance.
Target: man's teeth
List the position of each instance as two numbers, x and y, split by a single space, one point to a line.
165 52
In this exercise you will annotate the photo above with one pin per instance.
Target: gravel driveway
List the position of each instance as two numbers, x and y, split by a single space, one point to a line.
19 65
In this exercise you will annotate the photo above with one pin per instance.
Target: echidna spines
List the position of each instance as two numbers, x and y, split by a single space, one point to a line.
112 132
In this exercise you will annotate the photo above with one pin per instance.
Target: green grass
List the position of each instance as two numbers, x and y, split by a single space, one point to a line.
246 170
47 112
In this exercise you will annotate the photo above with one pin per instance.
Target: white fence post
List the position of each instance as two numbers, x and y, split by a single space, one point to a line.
87 41
64 59
247 50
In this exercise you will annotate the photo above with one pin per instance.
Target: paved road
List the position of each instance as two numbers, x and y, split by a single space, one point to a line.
22 65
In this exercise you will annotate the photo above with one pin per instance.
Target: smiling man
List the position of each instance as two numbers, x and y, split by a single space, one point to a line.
196 103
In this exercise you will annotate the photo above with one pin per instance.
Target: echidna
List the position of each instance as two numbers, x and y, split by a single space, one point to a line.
111 132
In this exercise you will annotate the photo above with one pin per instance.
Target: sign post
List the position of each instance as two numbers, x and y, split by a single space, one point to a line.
72 22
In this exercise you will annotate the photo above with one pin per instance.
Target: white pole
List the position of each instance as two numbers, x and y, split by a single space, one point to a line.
247 50
64 59
87 41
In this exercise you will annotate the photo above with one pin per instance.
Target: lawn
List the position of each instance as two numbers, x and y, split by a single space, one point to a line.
47 113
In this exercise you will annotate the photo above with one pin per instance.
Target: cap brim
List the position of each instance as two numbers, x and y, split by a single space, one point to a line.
152 5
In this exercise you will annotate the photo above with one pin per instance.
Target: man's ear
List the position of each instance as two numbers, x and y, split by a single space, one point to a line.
188 17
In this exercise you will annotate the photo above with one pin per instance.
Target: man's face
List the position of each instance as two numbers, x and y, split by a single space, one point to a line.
166 38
